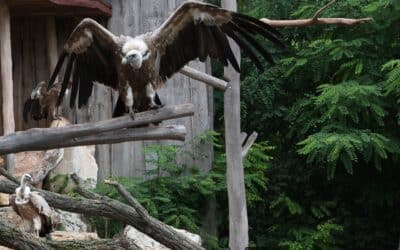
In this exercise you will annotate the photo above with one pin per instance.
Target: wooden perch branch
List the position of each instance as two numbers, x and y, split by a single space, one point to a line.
203 77
96 205
15 239
129 198
96 133
316 20
248 144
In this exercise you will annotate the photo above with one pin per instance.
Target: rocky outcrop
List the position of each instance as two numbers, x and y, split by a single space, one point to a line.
71 222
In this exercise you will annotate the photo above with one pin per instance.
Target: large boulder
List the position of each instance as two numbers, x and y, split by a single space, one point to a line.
78 160
71 222
146 242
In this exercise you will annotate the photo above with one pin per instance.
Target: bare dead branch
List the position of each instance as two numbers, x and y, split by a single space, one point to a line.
203 77
104 206
129 198
249 143
48 138
316 20
310 21
319 12
4 173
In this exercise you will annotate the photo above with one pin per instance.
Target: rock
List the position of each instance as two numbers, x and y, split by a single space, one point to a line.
147 243
28 162
4 199
79 160
71 222
5 248
64 236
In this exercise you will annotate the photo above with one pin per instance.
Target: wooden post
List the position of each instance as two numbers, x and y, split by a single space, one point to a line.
238 224
6 77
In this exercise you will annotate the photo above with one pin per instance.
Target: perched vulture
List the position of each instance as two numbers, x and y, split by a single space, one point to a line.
137 66
32 208
42 102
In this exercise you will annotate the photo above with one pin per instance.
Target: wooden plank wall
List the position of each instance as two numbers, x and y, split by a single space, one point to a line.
29 63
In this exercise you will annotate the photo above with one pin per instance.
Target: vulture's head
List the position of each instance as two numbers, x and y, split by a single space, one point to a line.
26 178
135 53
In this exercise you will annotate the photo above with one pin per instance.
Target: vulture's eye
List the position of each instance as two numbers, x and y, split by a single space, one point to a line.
146 53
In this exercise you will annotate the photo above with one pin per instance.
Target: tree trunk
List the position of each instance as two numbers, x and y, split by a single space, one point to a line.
6 81
238 225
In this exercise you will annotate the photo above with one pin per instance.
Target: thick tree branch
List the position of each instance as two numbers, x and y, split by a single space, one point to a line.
91 133
316 20
203 77
249 143
106 207
15 239
129 198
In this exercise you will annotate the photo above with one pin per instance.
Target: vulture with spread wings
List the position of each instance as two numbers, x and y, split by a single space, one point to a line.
137 66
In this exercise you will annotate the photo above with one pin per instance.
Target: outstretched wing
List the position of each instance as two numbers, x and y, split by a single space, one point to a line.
198 30
90 51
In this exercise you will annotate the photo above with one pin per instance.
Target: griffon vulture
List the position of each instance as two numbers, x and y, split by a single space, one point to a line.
137 66
32 208
42 102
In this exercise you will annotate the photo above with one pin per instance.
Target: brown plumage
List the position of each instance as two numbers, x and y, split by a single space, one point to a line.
137 66
42 102
32 208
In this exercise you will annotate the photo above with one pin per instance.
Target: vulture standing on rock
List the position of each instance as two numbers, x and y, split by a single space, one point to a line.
32 208
138 66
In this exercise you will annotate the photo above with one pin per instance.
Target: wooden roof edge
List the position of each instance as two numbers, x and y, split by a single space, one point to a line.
100 5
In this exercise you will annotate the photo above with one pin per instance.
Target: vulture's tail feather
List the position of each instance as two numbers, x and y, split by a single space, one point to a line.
57 69
66 79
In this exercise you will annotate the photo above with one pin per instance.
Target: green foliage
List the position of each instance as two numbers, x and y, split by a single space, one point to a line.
177 194
330 107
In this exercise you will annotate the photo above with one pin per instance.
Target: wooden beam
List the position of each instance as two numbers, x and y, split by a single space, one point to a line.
238 222
6 77
203 77
91 133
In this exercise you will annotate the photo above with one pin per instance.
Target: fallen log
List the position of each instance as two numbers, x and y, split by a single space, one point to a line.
15 239
91 133
97 205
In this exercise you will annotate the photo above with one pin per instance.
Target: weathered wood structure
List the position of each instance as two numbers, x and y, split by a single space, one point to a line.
38 29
